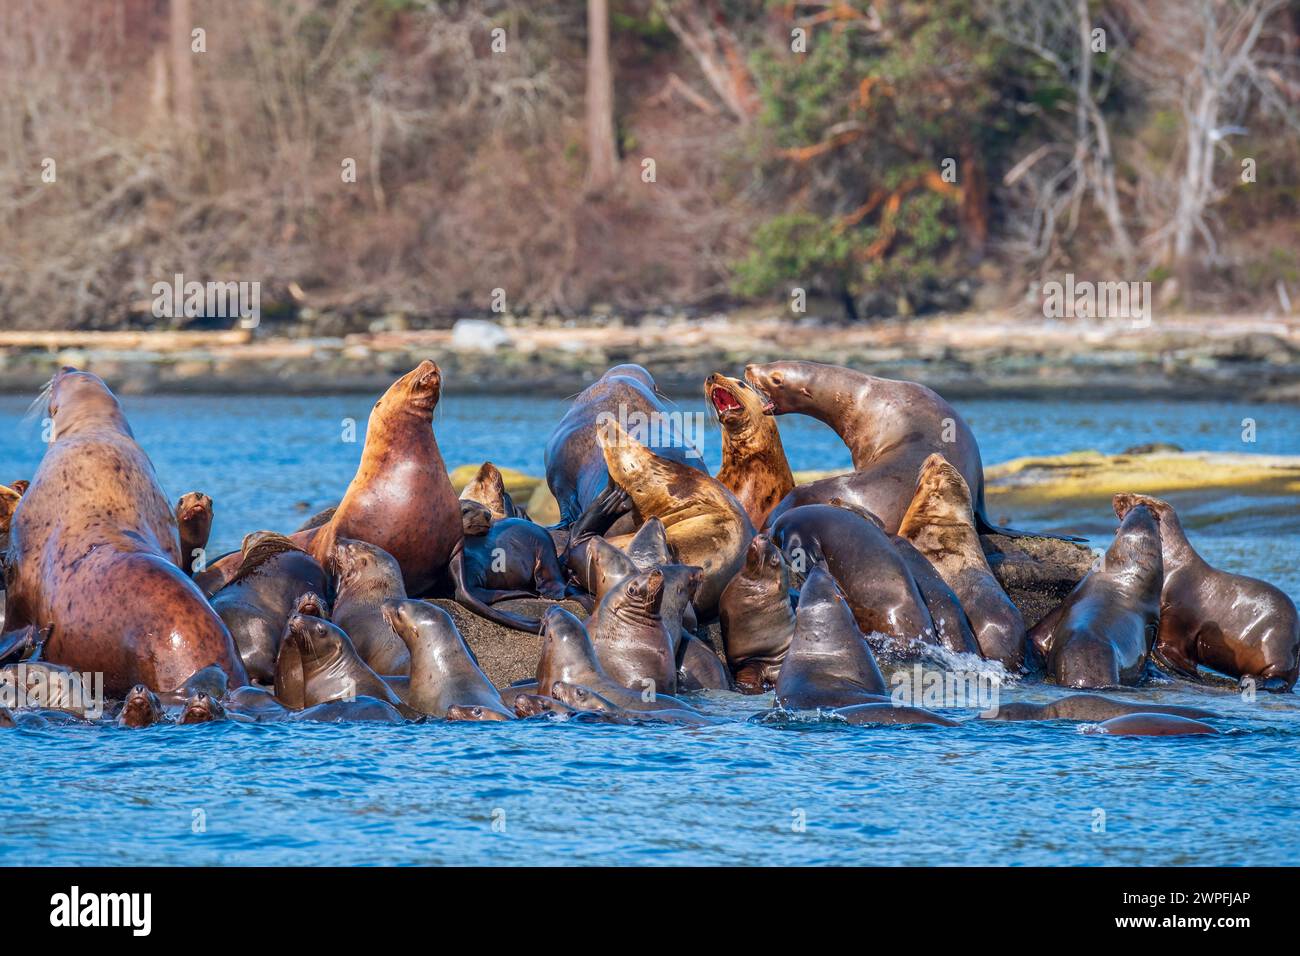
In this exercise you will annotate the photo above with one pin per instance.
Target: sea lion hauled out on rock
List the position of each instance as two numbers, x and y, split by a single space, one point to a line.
756 617
365 577
754 466
317 663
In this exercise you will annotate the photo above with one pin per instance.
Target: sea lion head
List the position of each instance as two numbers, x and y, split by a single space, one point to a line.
420 388
641 595
141 708
578 697
475 518
359 564
310 644
79 399
488 488
1137 542
194 507
417 622
536 705
9 499
763 558
784 387
474 712
628 460
942 494
740 409
1172 539
202 708
311 604
635 372
566 647
1125 502
20 486
607 564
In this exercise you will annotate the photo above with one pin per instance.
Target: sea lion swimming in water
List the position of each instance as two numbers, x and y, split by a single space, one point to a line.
262 594
317 663
1091 707
1101 634
757 618
401 498
585 700
488 488
123 607
140 709
829 663
576 469
1234 624
194 521
873 578
889 426
704 523
366 577
350 711
754 466
202 709
890 713
940 524
1153 725
444 671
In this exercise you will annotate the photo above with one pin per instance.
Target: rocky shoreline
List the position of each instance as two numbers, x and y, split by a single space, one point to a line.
966 356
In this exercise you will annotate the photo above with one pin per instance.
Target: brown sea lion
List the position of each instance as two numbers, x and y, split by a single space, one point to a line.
514 558
350 711
757 618
576 470
256 703
1236 625
444 671
535 705
488 488
585 700
889 426
940 524
318 663
890 713
401 499
862 559
829 663
1101 634
209 680
754 467
568 655
649 546
319 519
94 551
1091 707
9 498
700 668
704 523
260 597
202 709
194 521
633 641
1153 725
608 566
40 683
475 519
476 713
365 577
141 708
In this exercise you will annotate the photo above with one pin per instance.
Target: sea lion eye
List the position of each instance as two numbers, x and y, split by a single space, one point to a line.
776 378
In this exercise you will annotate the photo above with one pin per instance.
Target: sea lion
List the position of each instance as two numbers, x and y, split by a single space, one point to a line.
829 663
40 683
704 523
350 711
874 579
475 519
476 712
20 486
576 470
754 466
514 558
94 551
401 499
1101 634
1091 707
1153 725
890 713
262 594
1234 624
318 663
202 709
488 488
141 708
194 521
568 655
940 524
365 577
649 546
319 519
209 680
444 671
585 700
608 566
699 667
9 498
535 705
633 642
889 426
757 618
256 703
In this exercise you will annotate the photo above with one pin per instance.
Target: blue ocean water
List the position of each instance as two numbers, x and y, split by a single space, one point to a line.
739 793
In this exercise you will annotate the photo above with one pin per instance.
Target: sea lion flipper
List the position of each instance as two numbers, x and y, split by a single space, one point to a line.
467 598
984 526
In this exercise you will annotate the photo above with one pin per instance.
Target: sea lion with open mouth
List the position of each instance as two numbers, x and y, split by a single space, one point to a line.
488 488
1234 624
757 618
444 671
862 559
94 552
568 655
940 524
1102 633
829 663
704 523
194 521
889 426
576 469
401 498
365 577
317 663
754 466
262 594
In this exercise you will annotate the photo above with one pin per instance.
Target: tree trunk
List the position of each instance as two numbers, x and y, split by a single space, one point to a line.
182 22
602 149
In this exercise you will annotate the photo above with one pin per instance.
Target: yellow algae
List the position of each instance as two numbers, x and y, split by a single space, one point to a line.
517 483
